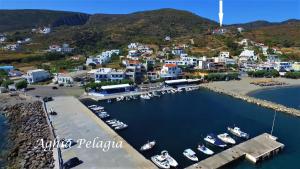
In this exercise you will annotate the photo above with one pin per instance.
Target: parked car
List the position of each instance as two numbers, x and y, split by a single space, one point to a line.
54 88
72 163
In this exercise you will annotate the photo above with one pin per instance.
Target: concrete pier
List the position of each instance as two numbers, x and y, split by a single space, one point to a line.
254 150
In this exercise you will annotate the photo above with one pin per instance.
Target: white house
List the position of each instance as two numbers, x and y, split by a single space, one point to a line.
283 66
264 50
170 71
248 54
224 54
108 74
62 78
103 58
38 75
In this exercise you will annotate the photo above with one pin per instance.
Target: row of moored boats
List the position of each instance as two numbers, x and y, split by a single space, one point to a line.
114 123
164 160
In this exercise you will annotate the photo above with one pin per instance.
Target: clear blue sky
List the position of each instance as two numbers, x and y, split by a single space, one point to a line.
235 11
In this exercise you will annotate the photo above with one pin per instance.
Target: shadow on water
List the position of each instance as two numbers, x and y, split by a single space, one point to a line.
181 121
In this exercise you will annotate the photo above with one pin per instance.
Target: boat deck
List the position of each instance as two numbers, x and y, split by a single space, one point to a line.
254 150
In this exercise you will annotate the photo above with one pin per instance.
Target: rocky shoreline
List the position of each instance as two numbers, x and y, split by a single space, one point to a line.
28 124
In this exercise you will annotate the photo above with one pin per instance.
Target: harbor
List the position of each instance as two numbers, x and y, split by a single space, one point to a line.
254 150
128 111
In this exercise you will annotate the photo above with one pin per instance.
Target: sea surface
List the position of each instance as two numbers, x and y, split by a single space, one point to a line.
180 121
288 96
3 139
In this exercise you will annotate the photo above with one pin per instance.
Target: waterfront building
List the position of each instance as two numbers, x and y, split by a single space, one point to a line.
108 74
170 71
283 66
37 75
133 70
153 76
113 89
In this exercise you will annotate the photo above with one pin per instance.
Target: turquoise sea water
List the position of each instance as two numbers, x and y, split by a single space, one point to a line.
180 121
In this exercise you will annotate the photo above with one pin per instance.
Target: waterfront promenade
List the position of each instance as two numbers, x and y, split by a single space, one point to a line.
239 90
254 150
75 121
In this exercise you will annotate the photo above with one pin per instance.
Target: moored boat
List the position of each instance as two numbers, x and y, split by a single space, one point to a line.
149 145
171 160
238 132
122 126
212 139
160 161
190 154
226 138
205 150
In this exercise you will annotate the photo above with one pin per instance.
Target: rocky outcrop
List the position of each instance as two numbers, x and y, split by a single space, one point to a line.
28 125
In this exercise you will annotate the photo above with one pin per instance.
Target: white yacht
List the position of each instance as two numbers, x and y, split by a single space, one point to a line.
238 132
98 108
226 138
212 139
205 150
149 145
190 154
171 160
160 161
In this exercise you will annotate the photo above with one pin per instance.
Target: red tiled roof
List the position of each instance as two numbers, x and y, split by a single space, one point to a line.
134 62
169 65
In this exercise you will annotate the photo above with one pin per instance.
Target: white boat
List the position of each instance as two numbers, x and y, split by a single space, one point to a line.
149 145
238 132
171 160
173 91
119 123
226 138
160 161
108 121
92 106
205 150
144 96
127 98
120 127
169 91
179 90
212 139
150 95
190 154
98 108
109 101
163 92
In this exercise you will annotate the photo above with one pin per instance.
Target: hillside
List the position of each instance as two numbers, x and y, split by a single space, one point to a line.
27 19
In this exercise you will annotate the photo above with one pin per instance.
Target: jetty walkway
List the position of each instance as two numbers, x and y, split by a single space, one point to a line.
259 102
254 150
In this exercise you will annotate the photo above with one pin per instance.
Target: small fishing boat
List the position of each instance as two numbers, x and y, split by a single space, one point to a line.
190 154
149 145
109 101
160 161
205 150
226 138
171 160
163 92
212 139
238 132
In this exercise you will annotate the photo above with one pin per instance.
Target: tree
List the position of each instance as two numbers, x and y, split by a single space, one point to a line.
21 84
6 83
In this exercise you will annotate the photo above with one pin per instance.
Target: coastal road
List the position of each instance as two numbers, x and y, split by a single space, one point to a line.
76 122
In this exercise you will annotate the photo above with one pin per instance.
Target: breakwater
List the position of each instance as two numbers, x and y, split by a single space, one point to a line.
259 102
28 124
